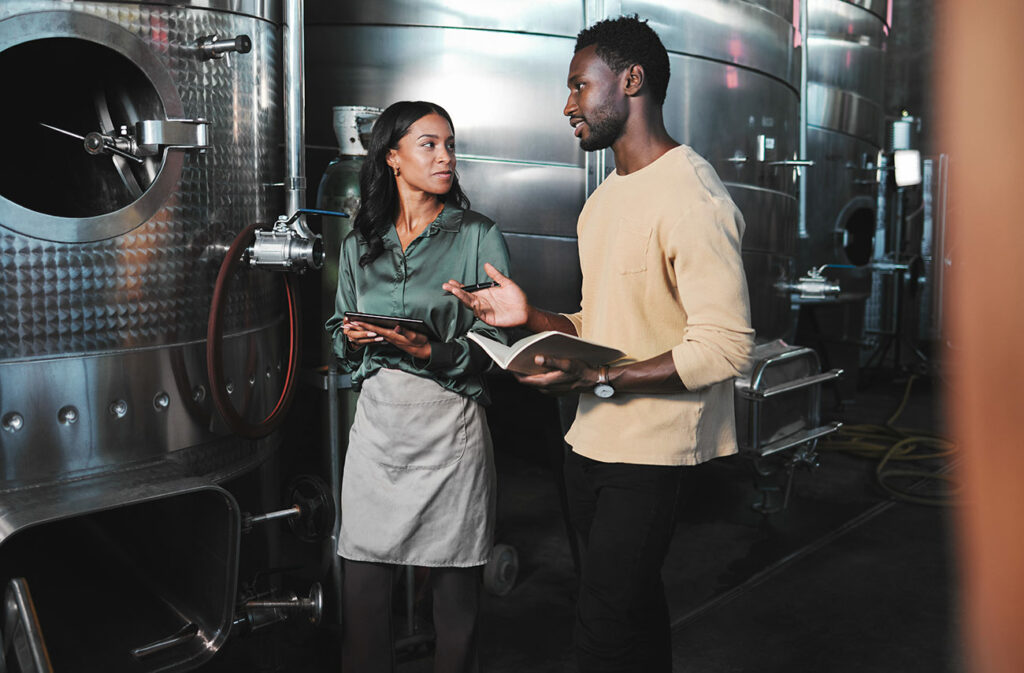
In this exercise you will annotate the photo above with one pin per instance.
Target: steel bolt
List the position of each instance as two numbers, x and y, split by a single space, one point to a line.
118 408
13 422
162 401
67 415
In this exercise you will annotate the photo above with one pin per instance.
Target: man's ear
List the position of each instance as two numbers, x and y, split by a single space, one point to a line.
635 79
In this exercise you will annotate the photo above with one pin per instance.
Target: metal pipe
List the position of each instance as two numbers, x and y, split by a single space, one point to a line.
334 451
802 219
290 513
294 113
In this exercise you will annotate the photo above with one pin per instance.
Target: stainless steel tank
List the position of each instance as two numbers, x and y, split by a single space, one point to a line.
141 139
845 120
500 71
845 133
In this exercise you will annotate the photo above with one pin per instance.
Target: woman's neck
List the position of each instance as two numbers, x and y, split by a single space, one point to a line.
415 213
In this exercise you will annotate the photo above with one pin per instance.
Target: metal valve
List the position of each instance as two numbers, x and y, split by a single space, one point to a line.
290 245
214 46
259 612
812 286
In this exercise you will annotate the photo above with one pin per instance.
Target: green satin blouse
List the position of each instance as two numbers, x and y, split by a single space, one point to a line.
408 284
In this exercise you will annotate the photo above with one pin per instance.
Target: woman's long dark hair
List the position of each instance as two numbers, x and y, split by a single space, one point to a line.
377 189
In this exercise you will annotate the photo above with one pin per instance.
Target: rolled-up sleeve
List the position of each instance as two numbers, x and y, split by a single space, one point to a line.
718 340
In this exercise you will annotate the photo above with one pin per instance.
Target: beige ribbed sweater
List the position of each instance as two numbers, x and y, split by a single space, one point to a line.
660 254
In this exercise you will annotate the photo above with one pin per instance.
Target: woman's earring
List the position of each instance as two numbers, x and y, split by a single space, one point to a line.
396 171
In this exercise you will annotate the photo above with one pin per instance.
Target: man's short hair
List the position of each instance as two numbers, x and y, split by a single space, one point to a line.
625 41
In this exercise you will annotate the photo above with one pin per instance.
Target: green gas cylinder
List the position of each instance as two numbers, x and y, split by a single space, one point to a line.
339 191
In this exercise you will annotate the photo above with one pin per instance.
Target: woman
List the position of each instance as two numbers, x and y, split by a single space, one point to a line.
418 486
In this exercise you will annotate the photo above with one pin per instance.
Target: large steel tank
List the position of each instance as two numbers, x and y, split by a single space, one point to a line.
500 71
845 133
112 459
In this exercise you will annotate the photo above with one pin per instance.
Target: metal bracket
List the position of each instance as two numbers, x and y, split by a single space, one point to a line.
175 134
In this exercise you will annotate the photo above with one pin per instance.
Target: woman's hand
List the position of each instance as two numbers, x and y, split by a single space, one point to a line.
413 343
503 306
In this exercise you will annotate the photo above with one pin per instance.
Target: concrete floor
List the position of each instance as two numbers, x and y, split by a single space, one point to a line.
844 579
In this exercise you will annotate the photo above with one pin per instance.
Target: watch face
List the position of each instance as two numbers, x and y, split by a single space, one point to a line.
604 390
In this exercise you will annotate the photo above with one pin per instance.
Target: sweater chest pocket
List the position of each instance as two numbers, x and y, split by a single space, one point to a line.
632 243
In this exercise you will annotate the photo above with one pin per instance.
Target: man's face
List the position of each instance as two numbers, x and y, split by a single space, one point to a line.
597 108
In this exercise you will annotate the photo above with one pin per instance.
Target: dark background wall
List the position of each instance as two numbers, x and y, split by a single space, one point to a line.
910 70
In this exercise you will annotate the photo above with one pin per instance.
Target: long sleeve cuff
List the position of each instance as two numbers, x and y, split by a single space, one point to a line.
442 356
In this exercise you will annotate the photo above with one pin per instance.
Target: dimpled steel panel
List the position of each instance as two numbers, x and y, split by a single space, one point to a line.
152 286
102 339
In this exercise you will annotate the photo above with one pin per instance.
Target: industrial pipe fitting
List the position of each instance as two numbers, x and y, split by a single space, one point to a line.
214 46
290 245
812 286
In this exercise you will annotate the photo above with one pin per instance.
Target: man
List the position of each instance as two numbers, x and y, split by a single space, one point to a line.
659 244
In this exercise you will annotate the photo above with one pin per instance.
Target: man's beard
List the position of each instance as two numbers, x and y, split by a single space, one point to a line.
605 129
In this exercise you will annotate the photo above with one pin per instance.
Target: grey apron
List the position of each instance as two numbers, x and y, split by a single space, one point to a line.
418 487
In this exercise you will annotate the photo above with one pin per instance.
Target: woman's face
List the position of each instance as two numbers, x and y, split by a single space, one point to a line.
425 157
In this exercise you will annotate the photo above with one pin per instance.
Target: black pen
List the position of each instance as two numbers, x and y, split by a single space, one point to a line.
479 286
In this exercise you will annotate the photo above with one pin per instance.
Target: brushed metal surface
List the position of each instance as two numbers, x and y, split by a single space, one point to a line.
548 270
269 10
123 559
845 117
525 198
732 31
556 17
877 7
770 309
109 315
847 65
851 21
83 414
505 91
845 112
501 74
720 110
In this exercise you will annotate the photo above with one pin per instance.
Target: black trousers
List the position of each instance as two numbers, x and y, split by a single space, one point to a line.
624 516
367 644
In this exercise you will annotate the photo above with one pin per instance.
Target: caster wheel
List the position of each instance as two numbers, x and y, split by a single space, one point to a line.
501 571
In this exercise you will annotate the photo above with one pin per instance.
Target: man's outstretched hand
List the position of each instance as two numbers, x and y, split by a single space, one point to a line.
502 306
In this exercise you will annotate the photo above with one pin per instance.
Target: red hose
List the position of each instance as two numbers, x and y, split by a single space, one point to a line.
215 346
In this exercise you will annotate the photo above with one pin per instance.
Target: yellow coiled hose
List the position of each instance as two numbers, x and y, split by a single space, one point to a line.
892 445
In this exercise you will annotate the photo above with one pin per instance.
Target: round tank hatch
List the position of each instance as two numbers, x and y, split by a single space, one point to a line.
855 231
76 87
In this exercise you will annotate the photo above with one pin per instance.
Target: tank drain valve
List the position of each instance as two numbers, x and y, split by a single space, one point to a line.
812 286
214 46
290 245
263 612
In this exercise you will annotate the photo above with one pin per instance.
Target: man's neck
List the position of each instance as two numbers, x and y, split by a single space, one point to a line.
643 141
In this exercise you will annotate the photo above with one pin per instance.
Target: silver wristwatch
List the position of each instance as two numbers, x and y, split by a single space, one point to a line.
603 388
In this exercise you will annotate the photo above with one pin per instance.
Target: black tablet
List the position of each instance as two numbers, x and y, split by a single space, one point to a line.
390 321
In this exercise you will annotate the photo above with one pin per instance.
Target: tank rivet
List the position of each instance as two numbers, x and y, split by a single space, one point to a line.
268 373
199 393
162 401
252 380
13 422
229 386
118 408
67 415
